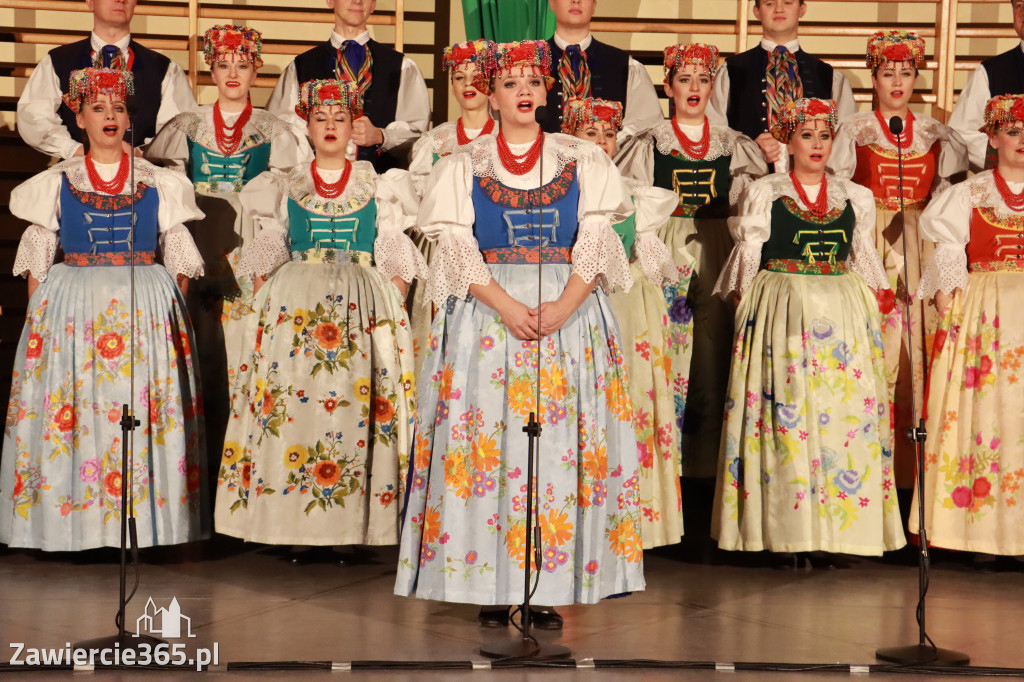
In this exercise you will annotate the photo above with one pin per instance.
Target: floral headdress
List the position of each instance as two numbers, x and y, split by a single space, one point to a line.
521 55
86 85
243 41
795 114
474 52
324 93
702 54
1003 111
579 113
895 46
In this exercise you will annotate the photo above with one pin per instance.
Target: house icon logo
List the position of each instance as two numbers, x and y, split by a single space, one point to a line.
168 623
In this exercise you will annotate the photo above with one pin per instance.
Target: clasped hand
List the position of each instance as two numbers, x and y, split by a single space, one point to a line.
529 324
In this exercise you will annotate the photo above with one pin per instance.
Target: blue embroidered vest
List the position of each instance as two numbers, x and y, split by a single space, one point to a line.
507 219
92 225
354 231
206 166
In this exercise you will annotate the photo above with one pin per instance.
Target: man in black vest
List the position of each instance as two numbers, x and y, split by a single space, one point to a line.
395 99
161 89
1000 75
584 67
740 98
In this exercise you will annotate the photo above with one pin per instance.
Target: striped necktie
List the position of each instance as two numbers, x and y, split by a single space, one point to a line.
782 82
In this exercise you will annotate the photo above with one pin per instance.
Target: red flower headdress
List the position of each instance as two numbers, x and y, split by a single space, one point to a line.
323 93
521 55
475 52
578 113
797 113
701 54
86 85
243 41
1003 111
895 47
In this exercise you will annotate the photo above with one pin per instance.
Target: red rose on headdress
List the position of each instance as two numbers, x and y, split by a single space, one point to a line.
900 52
108 81
231 41
462 53
330 92
1018 110
520 53
605 112
817 108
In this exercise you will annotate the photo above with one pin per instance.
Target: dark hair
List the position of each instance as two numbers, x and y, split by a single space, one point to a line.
874 71
757 3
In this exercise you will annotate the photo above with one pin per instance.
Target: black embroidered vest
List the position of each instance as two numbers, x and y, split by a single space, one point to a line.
609 73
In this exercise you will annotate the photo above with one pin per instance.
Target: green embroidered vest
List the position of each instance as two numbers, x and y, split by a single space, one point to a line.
702 186
799 235
354 231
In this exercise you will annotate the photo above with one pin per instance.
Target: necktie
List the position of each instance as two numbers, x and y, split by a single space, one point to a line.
574 60
355 54
574 73
782 82
109 57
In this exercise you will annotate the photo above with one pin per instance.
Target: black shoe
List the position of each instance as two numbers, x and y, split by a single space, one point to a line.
788 561
827 561
545 618
493 616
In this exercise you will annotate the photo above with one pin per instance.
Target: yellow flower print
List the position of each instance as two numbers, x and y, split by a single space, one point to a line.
408 383
295 456
232 453
363 389
624 541
299 319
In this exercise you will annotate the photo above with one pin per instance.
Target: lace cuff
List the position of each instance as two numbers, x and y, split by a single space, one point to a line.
455 266
865 261
267 252
36 251
740 269
397 256
598 253
655 259
946 271
181 257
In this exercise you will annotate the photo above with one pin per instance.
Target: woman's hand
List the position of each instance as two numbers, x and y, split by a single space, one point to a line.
257 283
403 287
942 301
553 314
33 284
182 283
770 147
520 320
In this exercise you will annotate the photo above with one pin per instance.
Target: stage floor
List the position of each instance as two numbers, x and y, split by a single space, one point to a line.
257 606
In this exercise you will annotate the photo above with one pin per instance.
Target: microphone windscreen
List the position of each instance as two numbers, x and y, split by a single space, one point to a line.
540 114
895 125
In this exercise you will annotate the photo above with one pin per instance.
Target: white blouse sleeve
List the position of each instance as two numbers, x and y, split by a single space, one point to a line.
843 161
288 149
177 207
864 259
170 147
36 201
397 205
747 165
946 221
642 108
638 163
952 158
175 97
969 115
421 162
750 230
446 217
598 251
654 206
265 200
412 113
39 124
283 99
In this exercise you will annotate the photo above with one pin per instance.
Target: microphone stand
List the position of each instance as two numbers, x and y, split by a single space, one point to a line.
527 646
924 652
123 639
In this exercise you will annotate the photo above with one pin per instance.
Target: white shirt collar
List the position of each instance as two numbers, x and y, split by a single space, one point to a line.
98 44
769 45
562 43
337 39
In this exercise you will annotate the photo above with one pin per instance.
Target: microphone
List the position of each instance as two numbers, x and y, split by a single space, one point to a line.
131 105
895 125
540 114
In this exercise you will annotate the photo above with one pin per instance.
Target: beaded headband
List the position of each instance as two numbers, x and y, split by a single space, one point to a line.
1002 111
86 85
579 113
895 46
521 55
243 41
795 114
325 93
474 52
701 54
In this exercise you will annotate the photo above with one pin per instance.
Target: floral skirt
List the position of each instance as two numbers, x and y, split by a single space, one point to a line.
974 463
806 459
701 323
651 356
906 382
321 413
60 475
463 537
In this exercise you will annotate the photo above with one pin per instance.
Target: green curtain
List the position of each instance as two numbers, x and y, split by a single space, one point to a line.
506 20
